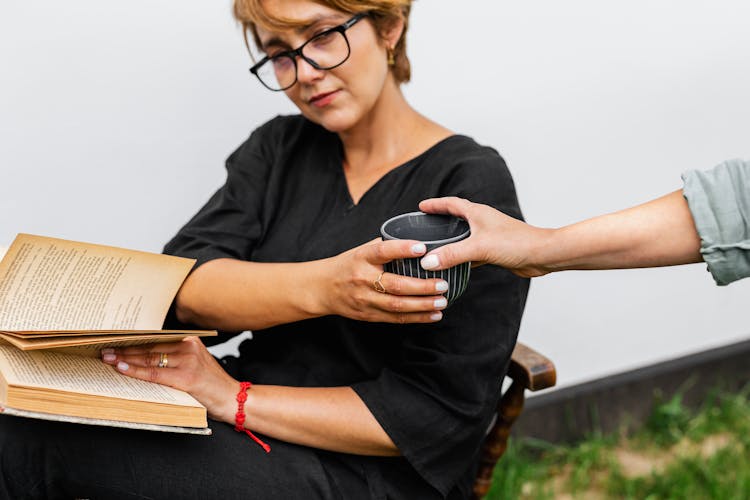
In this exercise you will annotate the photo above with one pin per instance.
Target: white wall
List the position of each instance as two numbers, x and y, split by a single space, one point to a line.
116 117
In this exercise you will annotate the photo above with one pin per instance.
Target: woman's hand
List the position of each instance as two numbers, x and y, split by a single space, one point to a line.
355 286
186 365
495 239
330 418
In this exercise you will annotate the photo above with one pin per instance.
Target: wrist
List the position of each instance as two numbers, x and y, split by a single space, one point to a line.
224 407
241 415
313 289
543 256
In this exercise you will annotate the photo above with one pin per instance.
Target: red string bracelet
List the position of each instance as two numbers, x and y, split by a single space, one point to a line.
239 418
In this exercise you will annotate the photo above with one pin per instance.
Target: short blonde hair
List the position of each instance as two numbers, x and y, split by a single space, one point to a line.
251 13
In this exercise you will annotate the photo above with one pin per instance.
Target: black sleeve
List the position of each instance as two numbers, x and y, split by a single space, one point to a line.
230 223
436 401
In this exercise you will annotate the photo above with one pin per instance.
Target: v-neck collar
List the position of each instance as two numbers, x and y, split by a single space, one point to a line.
338 164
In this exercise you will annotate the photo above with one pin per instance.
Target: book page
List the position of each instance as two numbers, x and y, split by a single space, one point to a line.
33 334
2 252
88 342
54 284
81 374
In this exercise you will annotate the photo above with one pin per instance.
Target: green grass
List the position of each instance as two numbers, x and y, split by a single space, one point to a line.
695 454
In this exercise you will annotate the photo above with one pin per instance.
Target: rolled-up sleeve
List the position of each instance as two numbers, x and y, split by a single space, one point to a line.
719 200
229 224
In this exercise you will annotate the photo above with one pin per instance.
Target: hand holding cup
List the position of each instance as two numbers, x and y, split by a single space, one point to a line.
434 230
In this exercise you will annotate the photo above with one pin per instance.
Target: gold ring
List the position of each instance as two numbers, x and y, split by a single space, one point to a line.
163 360
378 285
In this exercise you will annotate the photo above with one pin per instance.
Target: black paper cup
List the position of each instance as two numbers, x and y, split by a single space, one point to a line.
434 230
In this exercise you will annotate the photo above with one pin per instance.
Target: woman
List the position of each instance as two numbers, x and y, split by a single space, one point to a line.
352 402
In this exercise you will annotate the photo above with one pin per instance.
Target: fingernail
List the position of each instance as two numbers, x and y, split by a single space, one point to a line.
109 357
441 286
437 316
430 262
107 350
123 366
418 248
440 302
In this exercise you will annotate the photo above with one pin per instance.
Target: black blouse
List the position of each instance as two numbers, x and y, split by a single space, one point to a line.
433 388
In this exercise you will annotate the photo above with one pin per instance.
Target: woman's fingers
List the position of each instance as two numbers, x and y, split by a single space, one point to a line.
404 318
160 363
365 292
159 375
159 355
449 255
448 205
148 359
395 284
158 367
400 299
379 252
394 303
455 253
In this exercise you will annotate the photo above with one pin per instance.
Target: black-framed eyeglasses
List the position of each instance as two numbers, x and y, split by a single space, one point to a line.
325 50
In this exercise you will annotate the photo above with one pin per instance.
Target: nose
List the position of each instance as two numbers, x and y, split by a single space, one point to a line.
306 72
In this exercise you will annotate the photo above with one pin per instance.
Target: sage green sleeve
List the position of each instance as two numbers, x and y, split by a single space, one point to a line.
719 200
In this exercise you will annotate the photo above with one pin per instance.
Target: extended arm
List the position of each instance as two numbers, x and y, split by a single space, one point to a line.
234 295
658 233
708 220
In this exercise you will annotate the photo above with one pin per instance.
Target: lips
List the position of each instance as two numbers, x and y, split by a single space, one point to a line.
323 98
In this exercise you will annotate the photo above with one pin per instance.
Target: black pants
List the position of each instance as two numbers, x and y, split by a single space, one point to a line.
41 459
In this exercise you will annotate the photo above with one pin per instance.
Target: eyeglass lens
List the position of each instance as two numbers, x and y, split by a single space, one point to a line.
325 51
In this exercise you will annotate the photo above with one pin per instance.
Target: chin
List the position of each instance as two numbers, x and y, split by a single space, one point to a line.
333 121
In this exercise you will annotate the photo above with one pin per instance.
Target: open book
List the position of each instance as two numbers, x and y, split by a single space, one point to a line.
62 301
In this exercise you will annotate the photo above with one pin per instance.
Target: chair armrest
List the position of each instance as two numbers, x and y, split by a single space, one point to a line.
528 370
533 370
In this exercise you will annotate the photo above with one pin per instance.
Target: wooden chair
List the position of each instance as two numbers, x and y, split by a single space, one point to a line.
528 370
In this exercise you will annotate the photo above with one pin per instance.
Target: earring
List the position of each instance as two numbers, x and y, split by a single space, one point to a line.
391 58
